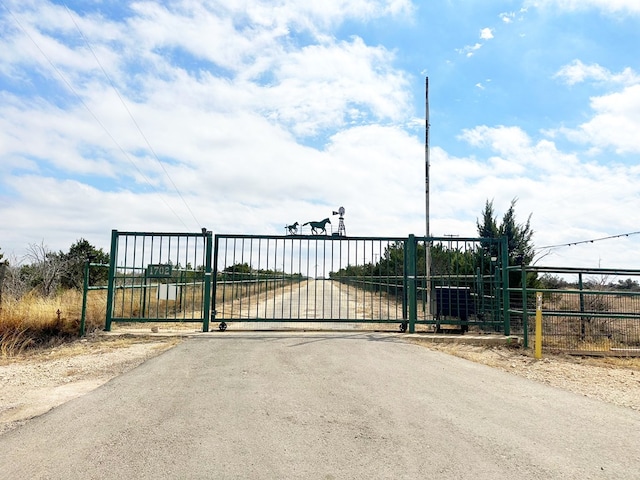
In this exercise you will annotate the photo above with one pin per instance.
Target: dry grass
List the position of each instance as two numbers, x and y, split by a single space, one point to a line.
501 356
34 321
93 344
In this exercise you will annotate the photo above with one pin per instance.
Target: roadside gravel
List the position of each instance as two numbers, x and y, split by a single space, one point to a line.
610 379
31 385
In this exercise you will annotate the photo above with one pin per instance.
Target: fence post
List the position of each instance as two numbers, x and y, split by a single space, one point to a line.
411 283
538 346
207 281
525 313
582 319
112 274
405 283
214 279
505 286
85 290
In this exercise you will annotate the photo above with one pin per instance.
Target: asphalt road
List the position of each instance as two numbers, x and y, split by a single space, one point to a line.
314 299
323 406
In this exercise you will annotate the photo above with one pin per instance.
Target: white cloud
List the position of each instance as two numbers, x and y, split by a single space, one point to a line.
262 118
615 123
609 6
469 50
577 72
572 198
486 33
507 17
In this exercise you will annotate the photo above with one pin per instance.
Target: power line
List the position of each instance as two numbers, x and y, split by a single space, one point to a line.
124 104
73 90
570 244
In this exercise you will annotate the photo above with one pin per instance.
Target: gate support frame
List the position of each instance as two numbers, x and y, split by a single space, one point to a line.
207 281
411 283
112 274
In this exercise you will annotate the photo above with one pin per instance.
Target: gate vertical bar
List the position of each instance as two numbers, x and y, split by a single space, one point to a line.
214 289
405 256
525 312
112 274
207 281
85 291
411 283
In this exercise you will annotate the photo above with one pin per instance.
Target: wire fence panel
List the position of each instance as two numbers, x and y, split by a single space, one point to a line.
590 311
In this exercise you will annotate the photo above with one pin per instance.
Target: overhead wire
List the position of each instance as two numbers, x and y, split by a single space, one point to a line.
570 244
124 104
73 90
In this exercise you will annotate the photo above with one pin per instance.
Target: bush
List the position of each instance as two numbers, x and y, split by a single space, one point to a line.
33 320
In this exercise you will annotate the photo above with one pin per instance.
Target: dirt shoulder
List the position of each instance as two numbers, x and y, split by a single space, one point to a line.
610 379
33 384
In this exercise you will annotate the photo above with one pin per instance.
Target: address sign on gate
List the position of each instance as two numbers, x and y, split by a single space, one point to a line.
158 270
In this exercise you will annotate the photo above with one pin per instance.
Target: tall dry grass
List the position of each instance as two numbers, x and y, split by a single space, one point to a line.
34 321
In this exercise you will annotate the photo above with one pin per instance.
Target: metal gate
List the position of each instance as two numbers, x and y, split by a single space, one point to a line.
159 277
303 281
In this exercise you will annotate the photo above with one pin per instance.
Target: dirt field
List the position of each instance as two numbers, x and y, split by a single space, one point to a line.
33 384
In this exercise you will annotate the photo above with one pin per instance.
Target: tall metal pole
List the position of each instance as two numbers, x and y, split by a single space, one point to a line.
427 245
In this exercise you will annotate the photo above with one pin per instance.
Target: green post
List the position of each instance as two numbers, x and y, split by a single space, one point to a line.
144 297
525 314
214 279
505 286
85 290
405 283
411 282
112 274
207 281
480 290
583 326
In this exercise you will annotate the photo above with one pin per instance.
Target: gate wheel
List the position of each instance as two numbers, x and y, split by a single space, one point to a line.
403 327
222 327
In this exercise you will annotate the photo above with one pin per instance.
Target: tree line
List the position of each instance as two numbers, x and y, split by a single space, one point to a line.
448 258
47 272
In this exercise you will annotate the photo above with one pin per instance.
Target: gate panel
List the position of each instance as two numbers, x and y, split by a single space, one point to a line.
159 277
466 286
311 280
323 280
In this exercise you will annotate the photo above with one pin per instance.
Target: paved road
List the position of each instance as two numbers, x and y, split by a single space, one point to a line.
323 406
314 300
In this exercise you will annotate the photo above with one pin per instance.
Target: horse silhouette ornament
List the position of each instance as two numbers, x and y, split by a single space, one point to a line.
293 229
318 226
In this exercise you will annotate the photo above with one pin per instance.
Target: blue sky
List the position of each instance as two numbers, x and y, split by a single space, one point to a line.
246 116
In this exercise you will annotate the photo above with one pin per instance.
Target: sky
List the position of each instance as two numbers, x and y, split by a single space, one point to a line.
244 116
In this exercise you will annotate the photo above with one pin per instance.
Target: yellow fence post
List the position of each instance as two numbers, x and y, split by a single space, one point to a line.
538 341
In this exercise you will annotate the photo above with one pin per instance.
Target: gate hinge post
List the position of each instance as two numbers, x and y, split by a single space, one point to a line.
411 283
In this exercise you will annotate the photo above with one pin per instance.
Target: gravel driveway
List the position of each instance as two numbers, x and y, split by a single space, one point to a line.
340 405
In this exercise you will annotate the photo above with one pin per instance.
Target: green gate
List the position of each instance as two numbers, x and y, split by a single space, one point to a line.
308 281
159 277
